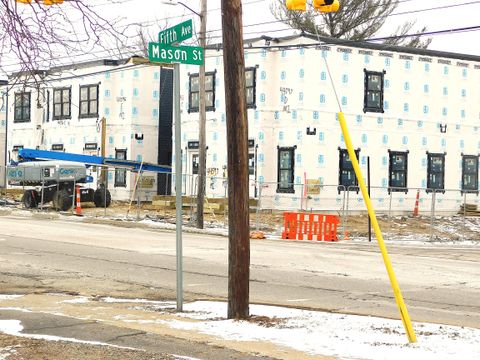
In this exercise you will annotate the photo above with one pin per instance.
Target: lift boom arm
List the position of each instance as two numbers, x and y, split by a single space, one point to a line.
135 166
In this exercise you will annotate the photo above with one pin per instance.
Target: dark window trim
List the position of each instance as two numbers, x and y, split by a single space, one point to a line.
58 147
90 146
22 119
252 105
123 182
195 169
62 117
366 89
251 158
47 115
429 171
469 191
290 189
341 187
193 144
89 115
207 108
391 188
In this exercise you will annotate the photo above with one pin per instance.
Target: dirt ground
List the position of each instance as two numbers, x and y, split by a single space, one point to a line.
440 228
19 348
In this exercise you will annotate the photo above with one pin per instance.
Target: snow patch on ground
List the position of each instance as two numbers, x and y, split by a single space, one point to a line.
9 297
7 351
14 327
310 332
78 300
320 333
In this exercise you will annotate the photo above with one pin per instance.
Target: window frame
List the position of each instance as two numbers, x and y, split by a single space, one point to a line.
341 168
429 172
290 189
120 174
366 90
89 114
190 92
22 106
474 189
195 163
253 104
404 170
62 116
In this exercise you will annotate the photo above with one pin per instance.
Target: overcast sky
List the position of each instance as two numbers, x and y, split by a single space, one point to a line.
258 19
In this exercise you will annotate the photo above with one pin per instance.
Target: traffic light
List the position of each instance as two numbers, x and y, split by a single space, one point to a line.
326 6
46 2
296 5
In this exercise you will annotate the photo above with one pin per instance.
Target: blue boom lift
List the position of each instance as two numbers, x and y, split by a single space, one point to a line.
57 173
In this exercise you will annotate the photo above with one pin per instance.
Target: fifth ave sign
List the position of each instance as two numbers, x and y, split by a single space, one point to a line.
177 33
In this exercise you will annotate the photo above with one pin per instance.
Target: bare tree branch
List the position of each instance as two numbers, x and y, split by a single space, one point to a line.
34 36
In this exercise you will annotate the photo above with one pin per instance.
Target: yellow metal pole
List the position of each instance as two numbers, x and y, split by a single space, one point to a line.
371 212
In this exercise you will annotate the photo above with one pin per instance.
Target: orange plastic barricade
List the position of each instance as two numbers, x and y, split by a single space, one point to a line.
312 226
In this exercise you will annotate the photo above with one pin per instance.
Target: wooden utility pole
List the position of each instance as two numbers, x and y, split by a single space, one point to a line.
237 145
202 147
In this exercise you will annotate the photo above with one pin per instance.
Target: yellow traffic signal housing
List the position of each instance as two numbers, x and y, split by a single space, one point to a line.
46 2
296 5
326 6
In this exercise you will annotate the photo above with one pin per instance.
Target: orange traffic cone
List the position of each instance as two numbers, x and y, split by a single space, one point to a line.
78 209
415 209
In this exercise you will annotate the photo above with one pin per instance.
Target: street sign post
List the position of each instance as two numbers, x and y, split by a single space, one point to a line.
192 55
164 52
177 33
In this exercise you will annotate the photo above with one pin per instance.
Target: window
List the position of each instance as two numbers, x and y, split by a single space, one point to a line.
22 107
250 86
285 169
469 173
120 174
373 93
195 162
46 117
194 92
61 103
57 147
88 101
347 180
251 164
398 171
435 171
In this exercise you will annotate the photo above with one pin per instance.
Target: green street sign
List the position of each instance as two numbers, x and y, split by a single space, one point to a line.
177 33
175 54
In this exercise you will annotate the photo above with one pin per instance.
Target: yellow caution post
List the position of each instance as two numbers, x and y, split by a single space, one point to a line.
371 212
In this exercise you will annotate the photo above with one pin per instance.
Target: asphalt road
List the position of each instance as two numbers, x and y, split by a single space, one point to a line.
440 283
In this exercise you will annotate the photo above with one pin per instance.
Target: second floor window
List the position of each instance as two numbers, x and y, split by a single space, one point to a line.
88 101
250 86
22 107
397 177
435 171
469 173
194 92
61 103
373 91
347 180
